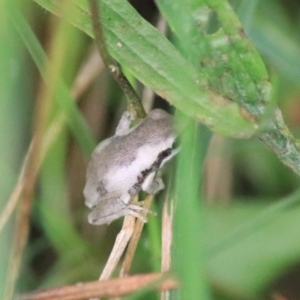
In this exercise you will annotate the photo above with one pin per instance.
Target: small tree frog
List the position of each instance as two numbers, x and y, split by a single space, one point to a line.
126 163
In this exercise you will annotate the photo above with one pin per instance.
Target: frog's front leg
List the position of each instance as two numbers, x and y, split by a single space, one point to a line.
153 183
124 123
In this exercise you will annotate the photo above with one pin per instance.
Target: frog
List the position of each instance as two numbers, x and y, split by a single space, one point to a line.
128 162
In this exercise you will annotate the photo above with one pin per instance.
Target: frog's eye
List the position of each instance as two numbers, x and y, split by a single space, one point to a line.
101 190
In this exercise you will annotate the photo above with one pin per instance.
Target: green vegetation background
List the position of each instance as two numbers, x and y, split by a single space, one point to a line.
236 238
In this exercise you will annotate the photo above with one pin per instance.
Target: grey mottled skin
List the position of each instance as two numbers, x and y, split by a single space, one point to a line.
125 163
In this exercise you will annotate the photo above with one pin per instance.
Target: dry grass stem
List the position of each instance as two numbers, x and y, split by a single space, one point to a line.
167 234
81 83
218 172
92 66
29 176
148 95
120 244
148 99
13 200
139 225
108 288
24 189
134 101
167 238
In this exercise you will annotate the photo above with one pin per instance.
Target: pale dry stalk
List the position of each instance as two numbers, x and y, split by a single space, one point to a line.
107 288
167 238
139 225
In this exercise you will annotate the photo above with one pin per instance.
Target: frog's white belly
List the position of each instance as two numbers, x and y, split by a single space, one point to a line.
125 177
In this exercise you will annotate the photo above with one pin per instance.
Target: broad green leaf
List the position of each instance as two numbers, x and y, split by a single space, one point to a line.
155 61
187 251
214 40
231 65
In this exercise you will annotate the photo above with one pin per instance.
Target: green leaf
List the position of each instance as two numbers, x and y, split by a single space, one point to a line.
155 61
214 40
231 65
188 252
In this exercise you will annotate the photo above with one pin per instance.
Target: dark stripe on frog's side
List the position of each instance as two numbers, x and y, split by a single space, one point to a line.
154 167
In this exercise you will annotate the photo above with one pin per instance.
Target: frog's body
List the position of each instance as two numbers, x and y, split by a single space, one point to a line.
126 163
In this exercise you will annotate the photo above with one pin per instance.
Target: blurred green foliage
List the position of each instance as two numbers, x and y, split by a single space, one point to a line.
233 251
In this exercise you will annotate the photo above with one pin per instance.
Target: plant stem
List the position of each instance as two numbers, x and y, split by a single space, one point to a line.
135 104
